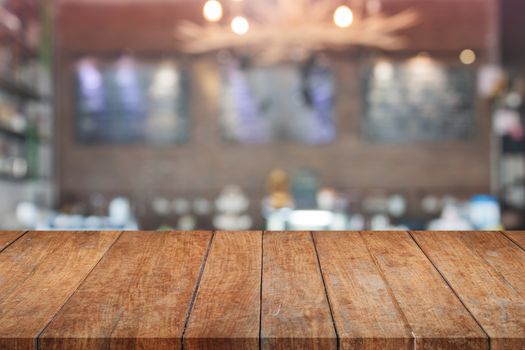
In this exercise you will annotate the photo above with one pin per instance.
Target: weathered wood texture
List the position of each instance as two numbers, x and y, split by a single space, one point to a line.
38 273
138 297
518 237
295 311
366 313
226 313
8 237
436 316
272 290
485 269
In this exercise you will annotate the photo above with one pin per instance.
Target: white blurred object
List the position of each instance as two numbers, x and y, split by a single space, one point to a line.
397 205
186 223
232 200
484 212
507 122
450 220
232 222
489 78
120 211
310 219
161 206
339 222
430 204
27 214
93 222
230 205
326 199
276 219
379 222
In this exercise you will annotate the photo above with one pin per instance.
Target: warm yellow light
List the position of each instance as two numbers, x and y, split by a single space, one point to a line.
467 56
343 16
212 10
240 25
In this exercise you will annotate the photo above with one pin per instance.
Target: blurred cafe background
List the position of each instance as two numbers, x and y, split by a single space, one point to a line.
262 114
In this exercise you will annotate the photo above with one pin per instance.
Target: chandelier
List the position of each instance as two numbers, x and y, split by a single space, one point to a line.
276 30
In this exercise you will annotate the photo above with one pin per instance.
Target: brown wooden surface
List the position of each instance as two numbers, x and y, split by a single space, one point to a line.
38 273
226 313
295 311
490 280
272 290
517 237
436 316
365 312
137 298
8 237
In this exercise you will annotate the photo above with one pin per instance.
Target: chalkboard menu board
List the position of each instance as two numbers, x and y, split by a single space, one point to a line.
418 100
128 100
277 103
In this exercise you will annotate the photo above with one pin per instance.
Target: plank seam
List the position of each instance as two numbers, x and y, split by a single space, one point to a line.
16 239
45 256
261 290
195 290
390 292
325 290
490 268
450 286
512 240
37 337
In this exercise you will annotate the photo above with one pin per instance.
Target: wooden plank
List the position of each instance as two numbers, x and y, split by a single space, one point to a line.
517 237
38 273
8 237
486 271
138 296
436 316
295 311
226 313
366 315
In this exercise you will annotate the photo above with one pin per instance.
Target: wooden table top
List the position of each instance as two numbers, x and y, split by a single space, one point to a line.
271 290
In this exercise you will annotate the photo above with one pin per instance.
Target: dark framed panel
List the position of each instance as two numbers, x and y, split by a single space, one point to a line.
418 100
285 102
128 100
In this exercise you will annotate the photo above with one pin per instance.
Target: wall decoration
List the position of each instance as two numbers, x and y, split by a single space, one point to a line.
281 30
129 100
419 100
285 102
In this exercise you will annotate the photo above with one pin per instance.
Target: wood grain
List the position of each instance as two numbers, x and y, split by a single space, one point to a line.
226 313
295 311
365 313
138 296
517 237
165 290
38 273
437 318
486 271
7 237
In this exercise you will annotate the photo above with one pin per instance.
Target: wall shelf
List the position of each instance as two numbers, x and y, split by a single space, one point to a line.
9 132
20 90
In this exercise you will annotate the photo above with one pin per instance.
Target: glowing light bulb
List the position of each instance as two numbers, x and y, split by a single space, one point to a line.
212 10
467 56
343 16
240 25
